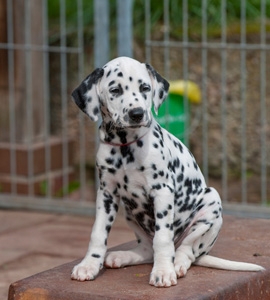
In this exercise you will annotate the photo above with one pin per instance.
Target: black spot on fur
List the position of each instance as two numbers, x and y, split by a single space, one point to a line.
156 186
161 94
120 74
95 255
140 143
125 179
108 201
178 145
201 254
127 153
115 206
129 203
119 163
154 167
180 177
140 217
156 134
159 215
95 110
123 136
207 190
109 161
112 171
108 228
161 173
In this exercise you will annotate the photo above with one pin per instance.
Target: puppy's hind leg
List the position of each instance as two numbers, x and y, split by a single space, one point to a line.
202 233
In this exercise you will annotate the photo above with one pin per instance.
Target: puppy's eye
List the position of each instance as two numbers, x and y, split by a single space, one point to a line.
115 90
144 88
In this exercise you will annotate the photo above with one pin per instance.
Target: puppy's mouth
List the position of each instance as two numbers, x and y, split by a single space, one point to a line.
123 125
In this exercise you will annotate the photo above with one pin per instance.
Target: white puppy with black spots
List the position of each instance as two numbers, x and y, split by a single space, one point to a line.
175 216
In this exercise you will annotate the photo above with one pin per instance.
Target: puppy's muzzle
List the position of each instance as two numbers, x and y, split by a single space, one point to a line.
136 115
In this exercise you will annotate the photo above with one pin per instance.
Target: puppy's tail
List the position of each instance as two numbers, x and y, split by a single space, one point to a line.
224 264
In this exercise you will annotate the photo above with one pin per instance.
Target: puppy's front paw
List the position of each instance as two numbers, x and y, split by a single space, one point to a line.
85 271
164 277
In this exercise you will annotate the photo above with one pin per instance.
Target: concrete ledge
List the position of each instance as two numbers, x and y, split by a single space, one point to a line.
240 239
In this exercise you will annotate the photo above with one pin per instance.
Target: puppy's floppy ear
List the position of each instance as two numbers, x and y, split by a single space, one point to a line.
160 87
86 95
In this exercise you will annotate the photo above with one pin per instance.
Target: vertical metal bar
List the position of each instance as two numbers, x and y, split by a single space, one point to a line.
204 91
147 16
124 28
243 104
81 116
166 38
101 47
11 89
224 100
63 61
263 105
185 69
29 98
45 56
101 12
166 54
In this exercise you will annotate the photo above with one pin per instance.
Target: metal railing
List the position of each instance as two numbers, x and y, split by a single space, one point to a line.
175 53
46 173
40 123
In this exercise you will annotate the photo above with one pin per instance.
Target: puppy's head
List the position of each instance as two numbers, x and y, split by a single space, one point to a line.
123 91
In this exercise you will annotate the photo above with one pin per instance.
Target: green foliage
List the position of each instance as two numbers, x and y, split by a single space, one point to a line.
72 186
234 11
70 12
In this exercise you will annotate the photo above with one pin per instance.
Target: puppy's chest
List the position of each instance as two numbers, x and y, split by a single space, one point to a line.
129 181
135 195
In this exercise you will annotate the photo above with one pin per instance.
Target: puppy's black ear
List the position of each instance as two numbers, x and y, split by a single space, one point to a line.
86 94
160 87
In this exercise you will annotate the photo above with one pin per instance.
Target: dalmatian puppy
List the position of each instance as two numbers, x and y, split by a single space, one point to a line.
175 216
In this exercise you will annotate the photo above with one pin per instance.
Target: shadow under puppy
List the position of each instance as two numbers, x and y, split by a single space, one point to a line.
175 216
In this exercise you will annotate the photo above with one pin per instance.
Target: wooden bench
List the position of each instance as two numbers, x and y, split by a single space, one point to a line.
240 239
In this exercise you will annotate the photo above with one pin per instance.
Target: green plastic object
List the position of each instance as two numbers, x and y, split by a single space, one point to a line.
173 115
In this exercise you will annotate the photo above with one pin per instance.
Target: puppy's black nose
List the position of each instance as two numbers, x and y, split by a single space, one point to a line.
136 114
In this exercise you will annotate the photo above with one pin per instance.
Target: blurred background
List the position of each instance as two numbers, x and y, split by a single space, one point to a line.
215 52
